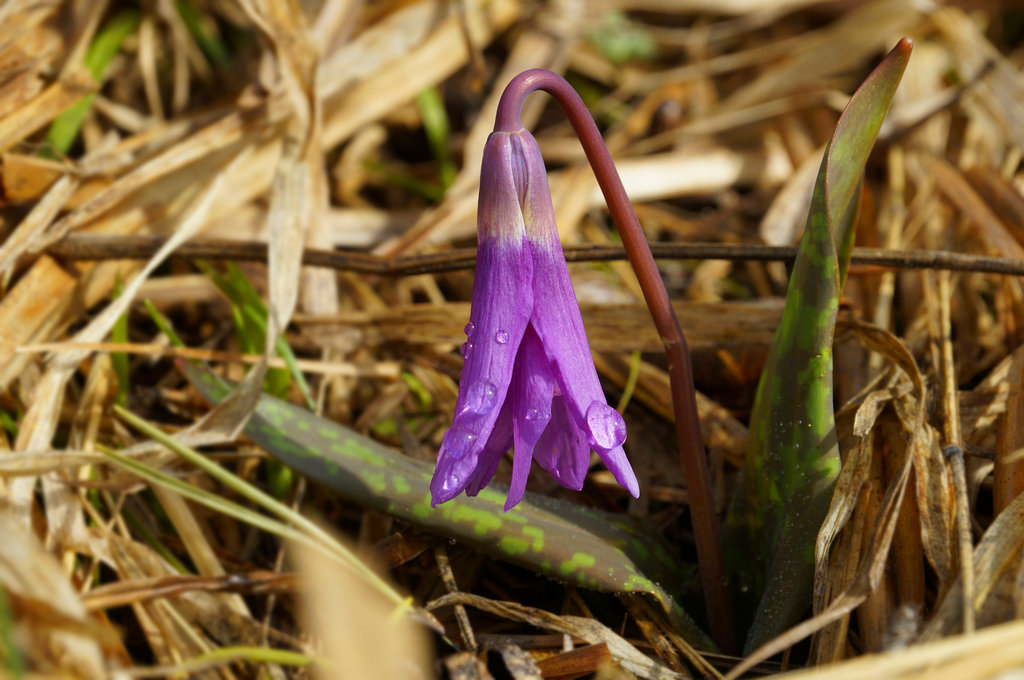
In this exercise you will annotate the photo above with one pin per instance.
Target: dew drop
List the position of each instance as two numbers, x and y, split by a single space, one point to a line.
469 329
467 349
481 397
532 414
501 337
457 442
450 483
607 427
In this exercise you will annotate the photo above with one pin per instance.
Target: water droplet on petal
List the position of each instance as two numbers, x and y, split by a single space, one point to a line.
606 425
501 337
467 349
450 483
481 397
532 414
469 329
457 443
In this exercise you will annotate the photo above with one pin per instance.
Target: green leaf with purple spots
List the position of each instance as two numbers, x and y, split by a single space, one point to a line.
793 458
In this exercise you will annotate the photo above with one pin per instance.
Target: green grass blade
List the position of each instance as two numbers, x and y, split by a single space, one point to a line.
14 661
403 180
202 665
438 131
212 46
297 529
250 314
108 42
163 324
119 360
9 424
591 549
65 127
793 458
422 394
620 40
149 538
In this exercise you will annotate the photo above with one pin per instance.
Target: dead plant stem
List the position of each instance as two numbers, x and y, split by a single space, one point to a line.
85 247
955 453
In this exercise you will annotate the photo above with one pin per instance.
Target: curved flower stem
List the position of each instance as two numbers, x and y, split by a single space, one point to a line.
691 445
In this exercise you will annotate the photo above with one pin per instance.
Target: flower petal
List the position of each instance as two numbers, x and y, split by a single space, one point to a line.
456 464
607 432
533 385
559 325
501 307
615 460
499 442
563 449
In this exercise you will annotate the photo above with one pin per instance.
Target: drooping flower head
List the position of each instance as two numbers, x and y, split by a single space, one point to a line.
528 380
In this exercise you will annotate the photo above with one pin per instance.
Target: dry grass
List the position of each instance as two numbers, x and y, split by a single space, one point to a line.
261 127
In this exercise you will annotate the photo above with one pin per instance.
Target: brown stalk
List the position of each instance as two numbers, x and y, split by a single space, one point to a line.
691 445
955 453
1008 476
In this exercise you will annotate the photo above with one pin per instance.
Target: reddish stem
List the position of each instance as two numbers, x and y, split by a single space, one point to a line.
684 403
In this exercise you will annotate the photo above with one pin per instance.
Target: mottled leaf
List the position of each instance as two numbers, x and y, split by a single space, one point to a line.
793 459
568 542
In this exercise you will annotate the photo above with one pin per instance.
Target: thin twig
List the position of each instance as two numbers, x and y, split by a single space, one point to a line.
78 247
444 567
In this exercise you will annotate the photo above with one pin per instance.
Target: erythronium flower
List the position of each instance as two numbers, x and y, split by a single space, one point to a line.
542 391
528 380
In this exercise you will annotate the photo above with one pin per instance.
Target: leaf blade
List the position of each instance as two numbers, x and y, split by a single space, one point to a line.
793 460
567 542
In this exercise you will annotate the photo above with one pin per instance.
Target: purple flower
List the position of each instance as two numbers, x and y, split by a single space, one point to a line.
528 378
